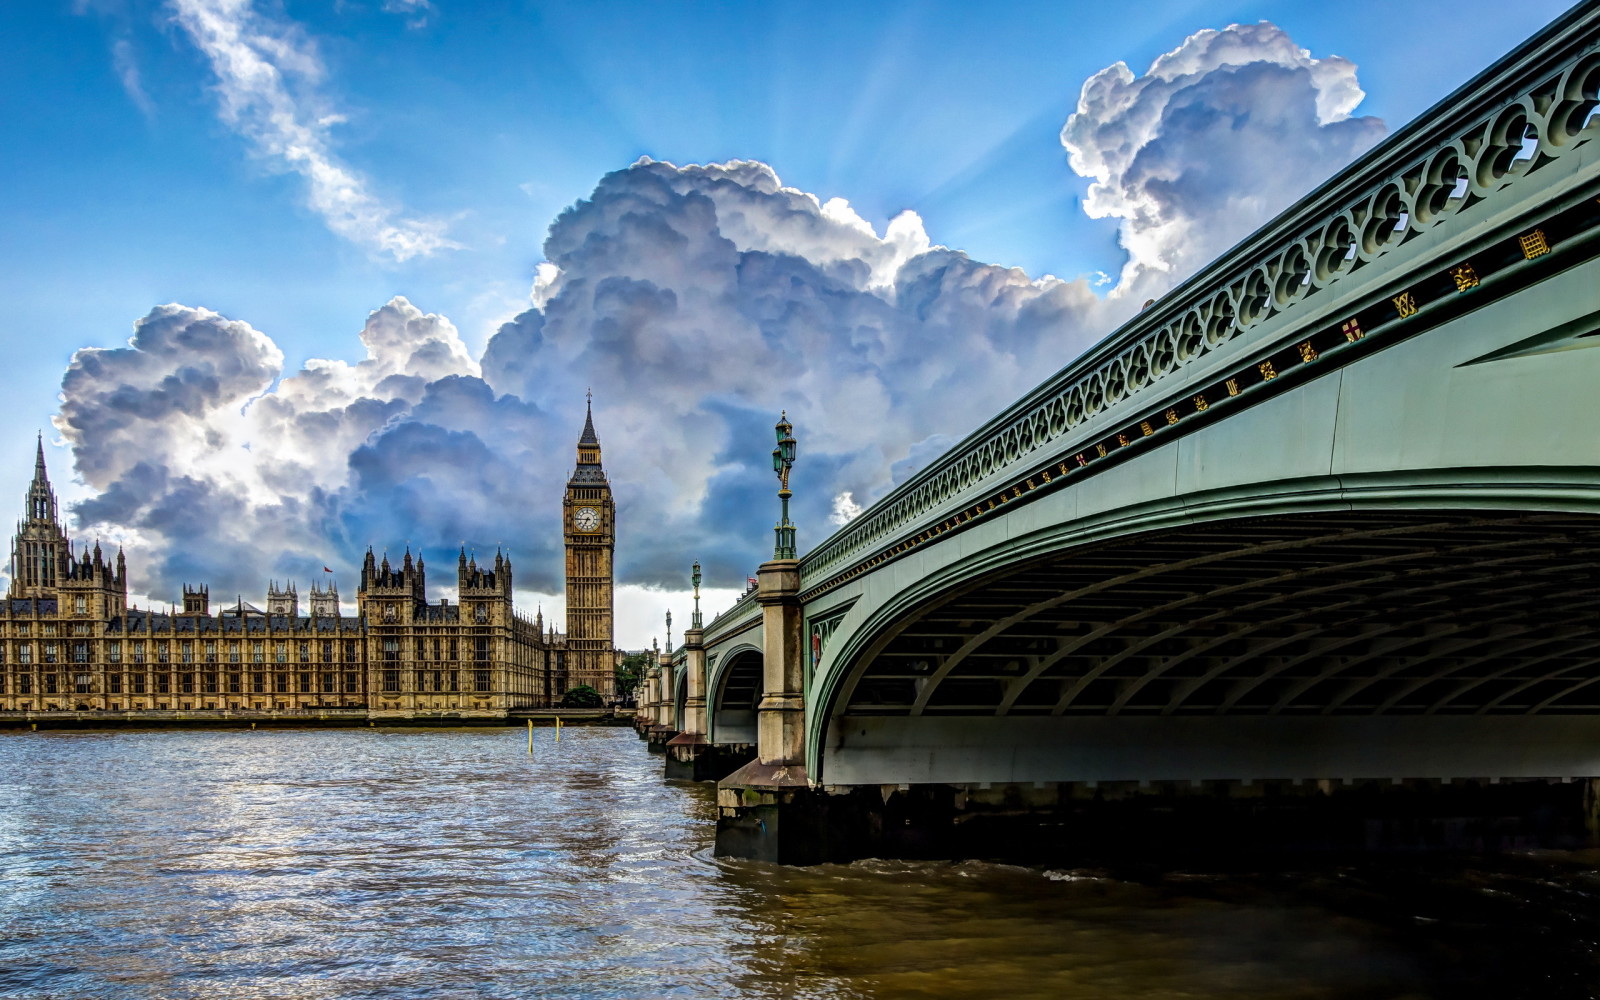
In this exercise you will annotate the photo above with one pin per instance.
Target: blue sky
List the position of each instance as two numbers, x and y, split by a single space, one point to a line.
124 183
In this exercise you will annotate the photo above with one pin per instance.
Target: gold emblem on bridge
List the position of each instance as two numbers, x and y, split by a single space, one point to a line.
1307 352
1352 330
1145 428
1172 417
1045 473
1200 402
1101 449
1122 440
1081 460
1534 244
1405 304
1465 277
1233 386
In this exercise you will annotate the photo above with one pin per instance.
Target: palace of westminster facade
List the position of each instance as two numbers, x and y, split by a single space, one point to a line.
70 642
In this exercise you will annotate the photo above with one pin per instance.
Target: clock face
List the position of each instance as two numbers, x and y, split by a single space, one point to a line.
586 519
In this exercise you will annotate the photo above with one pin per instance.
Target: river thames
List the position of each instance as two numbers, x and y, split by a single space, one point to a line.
452 863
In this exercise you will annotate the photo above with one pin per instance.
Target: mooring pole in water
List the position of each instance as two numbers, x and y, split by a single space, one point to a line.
530 736
558 729
252 725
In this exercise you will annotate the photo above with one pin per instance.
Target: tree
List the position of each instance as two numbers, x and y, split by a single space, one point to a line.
631 673
582 696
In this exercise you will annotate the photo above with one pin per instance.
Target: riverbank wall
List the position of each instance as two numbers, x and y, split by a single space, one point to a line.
309 719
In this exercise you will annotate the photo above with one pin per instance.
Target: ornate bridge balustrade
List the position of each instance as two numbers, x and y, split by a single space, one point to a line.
1327 515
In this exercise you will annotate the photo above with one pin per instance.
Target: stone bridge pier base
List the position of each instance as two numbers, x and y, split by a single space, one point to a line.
662 729
1161 822
767 809
690 755
645 715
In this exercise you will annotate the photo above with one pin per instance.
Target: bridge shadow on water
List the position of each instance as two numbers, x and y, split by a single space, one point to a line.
1516 927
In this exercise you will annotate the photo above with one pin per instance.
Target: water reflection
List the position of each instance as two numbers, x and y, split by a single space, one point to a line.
405 863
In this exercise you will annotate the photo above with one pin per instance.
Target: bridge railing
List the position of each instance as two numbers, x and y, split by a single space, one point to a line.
1527 111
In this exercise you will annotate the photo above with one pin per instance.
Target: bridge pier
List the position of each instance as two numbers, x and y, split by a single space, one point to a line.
691 756
650 706
771 793
662 730
685 749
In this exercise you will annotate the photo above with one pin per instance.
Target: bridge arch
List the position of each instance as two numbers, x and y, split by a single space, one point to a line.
1327 609
680 695
734 690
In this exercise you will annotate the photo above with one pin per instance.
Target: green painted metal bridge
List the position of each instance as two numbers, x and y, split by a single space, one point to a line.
1329 512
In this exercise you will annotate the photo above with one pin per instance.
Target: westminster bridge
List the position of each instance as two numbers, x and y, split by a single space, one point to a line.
1323 521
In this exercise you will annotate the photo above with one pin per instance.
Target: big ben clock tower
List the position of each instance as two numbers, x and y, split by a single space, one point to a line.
589 519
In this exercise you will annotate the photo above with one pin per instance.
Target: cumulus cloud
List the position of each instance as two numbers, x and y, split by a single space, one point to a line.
267 72
845 509
1216 137
697 301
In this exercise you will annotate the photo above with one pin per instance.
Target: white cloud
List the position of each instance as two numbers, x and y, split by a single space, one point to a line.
698 301
127 67
845 509
267 71
416 10
1216 137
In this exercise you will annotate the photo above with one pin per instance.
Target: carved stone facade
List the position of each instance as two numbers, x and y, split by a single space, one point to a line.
69 641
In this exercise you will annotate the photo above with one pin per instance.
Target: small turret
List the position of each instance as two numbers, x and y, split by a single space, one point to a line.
325 600
196 600
284 601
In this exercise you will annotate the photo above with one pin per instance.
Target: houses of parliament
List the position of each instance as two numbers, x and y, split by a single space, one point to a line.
69 641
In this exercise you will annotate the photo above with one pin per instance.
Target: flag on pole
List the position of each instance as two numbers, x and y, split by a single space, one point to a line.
326 570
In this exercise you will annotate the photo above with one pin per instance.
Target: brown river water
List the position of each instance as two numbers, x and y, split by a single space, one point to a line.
452 863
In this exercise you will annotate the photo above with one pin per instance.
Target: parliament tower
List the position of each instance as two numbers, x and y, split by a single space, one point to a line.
589 523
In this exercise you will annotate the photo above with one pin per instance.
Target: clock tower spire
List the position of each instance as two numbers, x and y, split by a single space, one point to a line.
589 523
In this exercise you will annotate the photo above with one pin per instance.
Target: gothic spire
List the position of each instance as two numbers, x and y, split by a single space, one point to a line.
41 498
588 469
40 477
589 436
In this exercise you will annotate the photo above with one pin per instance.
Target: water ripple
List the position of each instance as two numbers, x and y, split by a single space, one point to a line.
408 863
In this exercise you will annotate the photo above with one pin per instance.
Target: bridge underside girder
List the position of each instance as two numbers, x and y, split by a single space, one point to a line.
1357 644
1357 613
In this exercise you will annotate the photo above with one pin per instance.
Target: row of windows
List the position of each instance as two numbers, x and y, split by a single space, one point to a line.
439 680
258 682
138 651
306 682
160 651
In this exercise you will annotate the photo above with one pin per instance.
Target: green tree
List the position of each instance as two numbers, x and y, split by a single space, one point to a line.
631 672
582 696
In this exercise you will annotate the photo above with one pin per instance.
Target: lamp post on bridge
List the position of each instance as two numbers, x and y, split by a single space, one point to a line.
782 462
751 800
694 619
690 754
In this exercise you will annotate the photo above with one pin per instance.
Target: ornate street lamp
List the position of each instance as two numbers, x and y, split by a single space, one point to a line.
782 462
694 620
669 633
